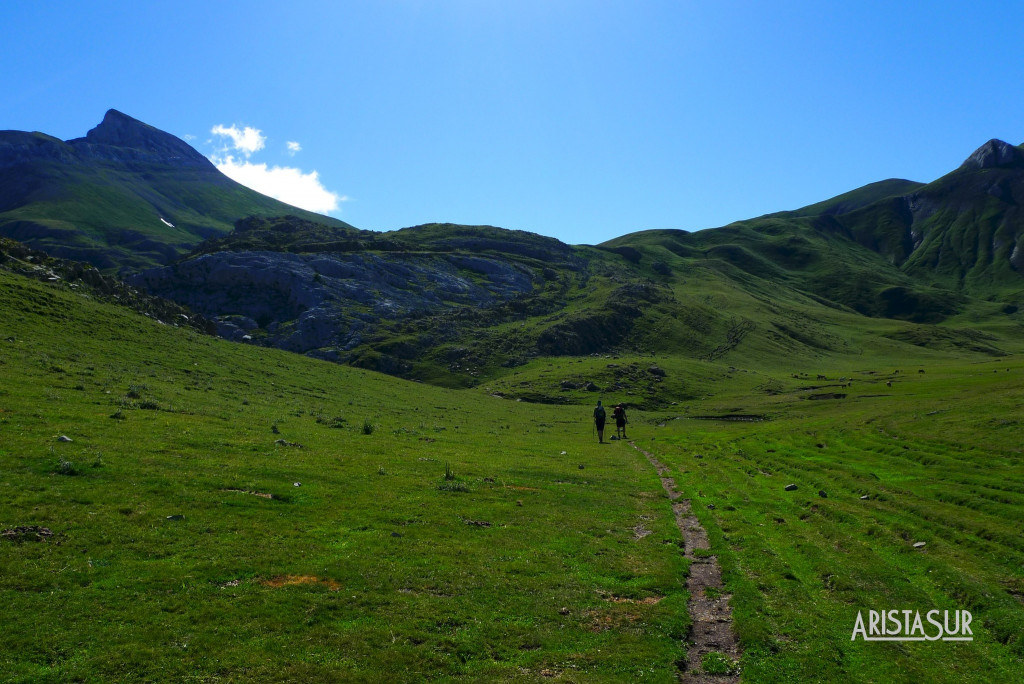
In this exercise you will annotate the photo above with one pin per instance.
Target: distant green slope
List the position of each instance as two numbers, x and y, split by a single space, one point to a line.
856 199
893 248
462 306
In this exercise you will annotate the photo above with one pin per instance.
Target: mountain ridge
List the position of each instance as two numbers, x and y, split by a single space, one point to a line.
124 197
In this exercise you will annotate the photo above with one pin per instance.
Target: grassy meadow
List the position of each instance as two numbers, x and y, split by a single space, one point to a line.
234 513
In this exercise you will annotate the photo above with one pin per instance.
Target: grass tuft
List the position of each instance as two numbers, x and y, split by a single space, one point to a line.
454 486
66 467
715 663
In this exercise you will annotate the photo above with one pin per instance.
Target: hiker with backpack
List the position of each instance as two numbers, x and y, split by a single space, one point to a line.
619 413
599 422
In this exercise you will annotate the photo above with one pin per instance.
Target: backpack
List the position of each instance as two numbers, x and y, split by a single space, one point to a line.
618 413
599 413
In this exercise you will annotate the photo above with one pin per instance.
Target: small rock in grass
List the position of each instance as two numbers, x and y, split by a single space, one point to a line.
563 453
297 484
711 507
64 438
790 487
176 517
563 611
396 534
864 498
519 502
581 466
919 545
822 493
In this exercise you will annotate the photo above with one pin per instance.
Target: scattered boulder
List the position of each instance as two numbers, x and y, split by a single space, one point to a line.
822 493
64 438
177 516
791 488
919 545
654 370
864 498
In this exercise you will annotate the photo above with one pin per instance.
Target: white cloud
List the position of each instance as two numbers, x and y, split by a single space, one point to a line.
293 147
288 184
245 140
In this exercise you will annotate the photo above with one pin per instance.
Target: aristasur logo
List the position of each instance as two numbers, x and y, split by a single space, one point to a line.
906 625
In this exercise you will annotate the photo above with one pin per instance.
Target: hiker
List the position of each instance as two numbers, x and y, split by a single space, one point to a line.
599 422
619 413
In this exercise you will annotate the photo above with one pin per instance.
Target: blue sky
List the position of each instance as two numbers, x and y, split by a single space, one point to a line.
579 120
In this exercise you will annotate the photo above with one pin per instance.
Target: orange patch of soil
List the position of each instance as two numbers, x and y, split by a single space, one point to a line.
292 580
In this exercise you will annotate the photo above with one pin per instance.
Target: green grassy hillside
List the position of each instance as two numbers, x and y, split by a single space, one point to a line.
231 512
111 217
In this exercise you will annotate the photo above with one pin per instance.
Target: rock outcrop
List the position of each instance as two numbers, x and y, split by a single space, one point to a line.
121 138
992 154
326 302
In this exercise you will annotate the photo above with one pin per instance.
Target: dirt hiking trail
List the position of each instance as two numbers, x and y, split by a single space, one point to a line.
710 613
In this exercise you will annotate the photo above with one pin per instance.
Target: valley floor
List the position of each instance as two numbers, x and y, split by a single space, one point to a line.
231 513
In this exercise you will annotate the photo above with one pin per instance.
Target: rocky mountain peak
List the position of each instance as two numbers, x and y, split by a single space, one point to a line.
123 138
994 153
